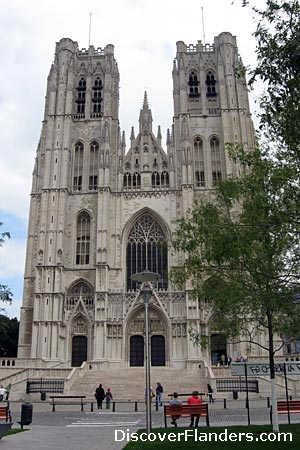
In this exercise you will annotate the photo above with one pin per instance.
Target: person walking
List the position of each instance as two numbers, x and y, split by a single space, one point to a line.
108 397
159 391
2 392
8 389
210 393
175 401
100 396
194 400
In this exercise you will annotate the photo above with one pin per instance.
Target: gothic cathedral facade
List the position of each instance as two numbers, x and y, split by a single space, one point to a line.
100 214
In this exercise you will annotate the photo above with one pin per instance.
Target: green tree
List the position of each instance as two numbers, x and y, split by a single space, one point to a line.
242 257
8 336
5 293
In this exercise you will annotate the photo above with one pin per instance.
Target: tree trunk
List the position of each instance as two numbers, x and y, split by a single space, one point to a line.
272 374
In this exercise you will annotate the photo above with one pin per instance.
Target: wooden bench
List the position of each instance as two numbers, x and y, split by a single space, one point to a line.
186 411
66 400
286 407
5 413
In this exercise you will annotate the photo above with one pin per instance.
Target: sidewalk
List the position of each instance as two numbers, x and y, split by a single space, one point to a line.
72 429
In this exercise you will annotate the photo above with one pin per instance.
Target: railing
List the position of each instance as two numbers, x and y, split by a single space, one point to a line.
231 384
44 385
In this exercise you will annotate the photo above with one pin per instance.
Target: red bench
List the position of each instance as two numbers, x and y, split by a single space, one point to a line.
186 411
285 407
5 413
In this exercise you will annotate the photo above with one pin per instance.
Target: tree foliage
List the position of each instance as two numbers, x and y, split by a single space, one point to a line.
242 256
5 293
278 55
8 336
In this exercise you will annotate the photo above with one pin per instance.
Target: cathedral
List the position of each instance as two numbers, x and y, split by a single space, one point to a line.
100 213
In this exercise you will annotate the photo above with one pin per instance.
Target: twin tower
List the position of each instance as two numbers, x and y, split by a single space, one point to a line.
100 213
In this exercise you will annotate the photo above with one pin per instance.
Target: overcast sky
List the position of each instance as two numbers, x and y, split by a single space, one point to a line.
144 34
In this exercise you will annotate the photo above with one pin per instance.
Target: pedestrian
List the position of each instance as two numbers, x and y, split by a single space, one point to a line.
99 395
108 397
210 393
151 394
194 400
229 360
2 392
8 389
159 391
175 401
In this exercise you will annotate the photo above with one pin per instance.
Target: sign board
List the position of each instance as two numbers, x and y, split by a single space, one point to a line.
260 369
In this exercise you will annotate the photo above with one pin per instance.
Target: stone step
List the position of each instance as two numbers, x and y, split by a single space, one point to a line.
129 383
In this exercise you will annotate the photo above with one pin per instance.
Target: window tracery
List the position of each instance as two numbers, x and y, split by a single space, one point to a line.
216 164
146 250
78 166
83 237
93 173
199 162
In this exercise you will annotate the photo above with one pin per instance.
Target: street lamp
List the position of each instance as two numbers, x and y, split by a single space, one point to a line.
146 278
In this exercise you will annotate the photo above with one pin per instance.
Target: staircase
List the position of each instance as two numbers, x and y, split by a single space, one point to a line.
129 383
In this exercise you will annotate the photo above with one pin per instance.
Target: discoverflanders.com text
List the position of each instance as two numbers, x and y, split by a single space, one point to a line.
198 436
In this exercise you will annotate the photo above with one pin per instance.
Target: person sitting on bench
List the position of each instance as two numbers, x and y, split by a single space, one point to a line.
194 400
175 401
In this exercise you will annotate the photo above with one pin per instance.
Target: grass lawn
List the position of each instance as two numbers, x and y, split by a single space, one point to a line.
203 433
14 431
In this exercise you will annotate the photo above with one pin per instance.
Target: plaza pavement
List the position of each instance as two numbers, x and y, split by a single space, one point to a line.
70 429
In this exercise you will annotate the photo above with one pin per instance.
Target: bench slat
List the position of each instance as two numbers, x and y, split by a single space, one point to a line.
186 411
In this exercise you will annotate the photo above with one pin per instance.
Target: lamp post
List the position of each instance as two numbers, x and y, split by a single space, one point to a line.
146 278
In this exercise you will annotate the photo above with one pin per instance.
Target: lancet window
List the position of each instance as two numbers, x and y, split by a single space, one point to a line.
97 98
216 163
93 172
146 250
83 238
193 84
81 97
131 181
199 162
210 85
160 179
78 167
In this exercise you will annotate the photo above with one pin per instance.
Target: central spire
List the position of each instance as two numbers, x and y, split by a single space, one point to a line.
145 119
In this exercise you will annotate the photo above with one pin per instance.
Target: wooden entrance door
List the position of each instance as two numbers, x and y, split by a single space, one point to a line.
158 351
136 350
79 350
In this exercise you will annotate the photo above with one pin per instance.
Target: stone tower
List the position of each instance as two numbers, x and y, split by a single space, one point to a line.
100 214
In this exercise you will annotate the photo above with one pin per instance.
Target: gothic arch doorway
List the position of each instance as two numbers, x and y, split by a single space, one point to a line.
79 350
157 338
218 348
136 351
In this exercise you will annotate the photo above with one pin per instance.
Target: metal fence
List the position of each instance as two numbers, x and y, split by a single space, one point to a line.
233 384
45 385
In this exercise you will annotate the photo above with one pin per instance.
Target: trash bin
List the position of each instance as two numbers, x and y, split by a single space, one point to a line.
43 396
235 395
26 414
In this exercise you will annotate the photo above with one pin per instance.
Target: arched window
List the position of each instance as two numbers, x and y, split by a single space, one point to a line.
210 85
83 238
193 84
97 98
199 162
93 174
78 167
215 160
81 91
146 250
131 181
80 290
160 179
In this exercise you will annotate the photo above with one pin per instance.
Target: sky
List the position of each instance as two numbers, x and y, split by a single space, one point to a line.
144 34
